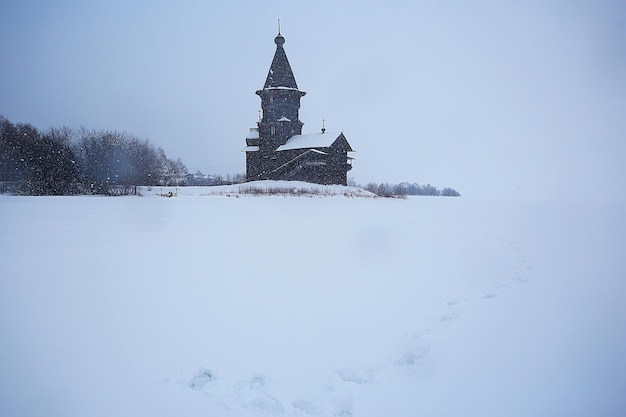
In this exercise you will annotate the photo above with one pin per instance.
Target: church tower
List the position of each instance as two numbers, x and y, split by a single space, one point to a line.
280 102
280 105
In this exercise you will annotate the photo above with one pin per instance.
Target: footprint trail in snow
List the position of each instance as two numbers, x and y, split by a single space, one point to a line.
259 394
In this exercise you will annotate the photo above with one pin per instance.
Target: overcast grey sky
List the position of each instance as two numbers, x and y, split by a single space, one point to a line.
509 97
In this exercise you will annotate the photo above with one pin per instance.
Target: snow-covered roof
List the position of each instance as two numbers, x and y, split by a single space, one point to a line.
250 149
253 133
283 119
311 140
281 88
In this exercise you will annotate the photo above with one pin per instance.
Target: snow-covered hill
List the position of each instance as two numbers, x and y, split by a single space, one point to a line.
257 188
263 306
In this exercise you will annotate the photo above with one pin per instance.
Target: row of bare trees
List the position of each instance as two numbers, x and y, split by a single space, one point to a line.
404 189
62 161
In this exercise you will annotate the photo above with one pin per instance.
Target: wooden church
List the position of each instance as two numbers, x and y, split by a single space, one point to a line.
277 150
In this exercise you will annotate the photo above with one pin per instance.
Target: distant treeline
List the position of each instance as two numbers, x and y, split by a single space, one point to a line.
404 189
61 161
200 179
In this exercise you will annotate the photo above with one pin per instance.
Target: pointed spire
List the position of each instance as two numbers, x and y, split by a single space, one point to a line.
280 74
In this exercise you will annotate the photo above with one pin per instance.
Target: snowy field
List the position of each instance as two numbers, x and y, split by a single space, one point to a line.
224 306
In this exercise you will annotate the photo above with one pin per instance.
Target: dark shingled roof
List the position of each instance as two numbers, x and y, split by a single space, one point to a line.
280 74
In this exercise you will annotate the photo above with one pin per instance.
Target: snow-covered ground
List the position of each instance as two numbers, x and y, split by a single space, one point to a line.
323 306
